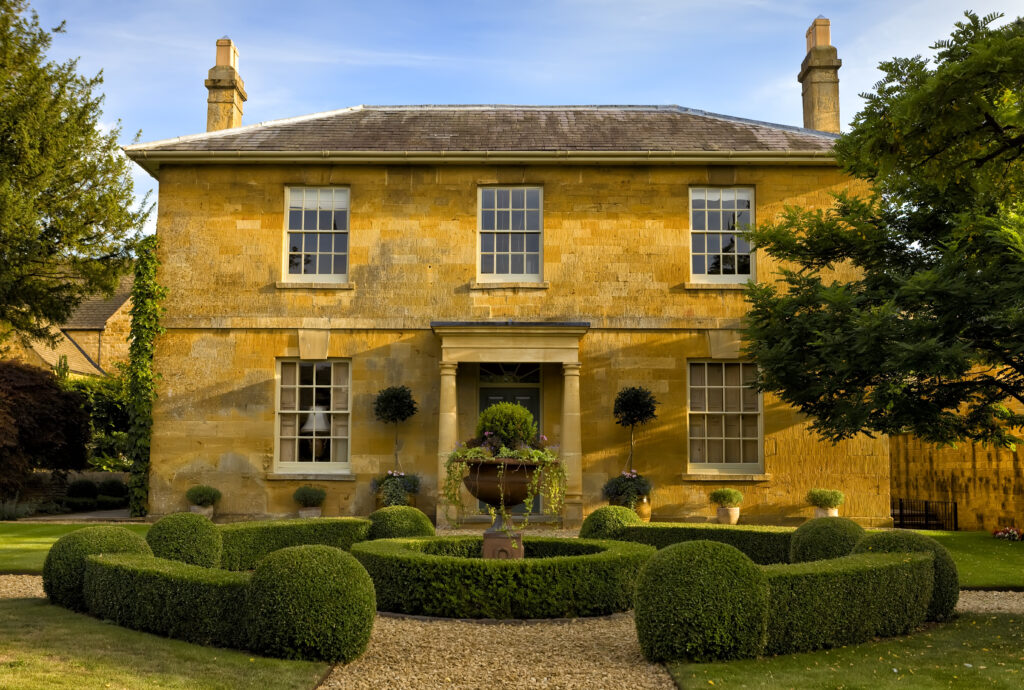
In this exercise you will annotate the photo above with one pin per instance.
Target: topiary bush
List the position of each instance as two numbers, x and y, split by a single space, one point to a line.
700 601
946 592
188 538
607 522
825 498
399 521
309 496
822 538
510 424
763 544
202 495
311 602
246 543
64 568
82 488
726 498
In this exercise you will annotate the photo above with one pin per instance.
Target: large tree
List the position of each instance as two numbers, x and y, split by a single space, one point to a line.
67 224
927 336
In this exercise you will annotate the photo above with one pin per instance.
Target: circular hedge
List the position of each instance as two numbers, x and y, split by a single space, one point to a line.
607 522
186 537
823 538
399 521
946 591
445 577
64 568
700 600
310 602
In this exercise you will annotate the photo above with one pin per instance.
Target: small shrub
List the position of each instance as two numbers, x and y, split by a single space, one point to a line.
82 488
607 522
726 498
393 494
188 538
700 601
399 521
946 591
823 538
763 544
114 488
825 498
310 496
626 489
202 495
511 425
64 568
247 543
311 602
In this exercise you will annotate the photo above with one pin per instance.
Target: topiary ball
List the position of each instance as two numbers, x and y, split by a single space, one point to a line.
399 521
700 601
311 602
946 592
64 568
607 522
823 538
186 537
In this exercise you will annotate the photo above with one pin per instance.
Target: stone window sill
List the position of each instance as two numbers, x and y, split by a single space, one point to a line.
321 477
291 285
711 477
476 285
715 286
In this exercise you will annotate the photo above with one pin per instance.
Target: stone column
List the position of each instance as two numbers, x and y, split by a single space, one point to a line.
571 450
447 430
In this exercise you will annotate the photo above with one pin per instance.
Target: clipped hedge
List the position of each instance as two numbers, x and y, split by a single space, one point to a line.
763 544
186 537
821 604
168 597
246 543
64 568
823 538
311 602
946 592
445 576
607 522
700 601
399 521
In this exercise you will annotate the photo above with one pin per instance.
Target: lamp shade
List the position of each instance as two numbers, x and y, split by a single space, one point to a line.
317 422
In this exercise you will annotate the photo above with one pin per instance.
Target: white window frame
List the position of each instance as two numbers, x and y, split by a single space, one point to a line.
724 468
334 467
342 278
720 279
508 277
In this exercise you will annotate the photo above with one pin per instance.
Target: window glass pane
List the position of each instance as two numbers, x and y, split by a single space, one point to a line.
715 400
714 266
502 263
742 245
714 221
532 243
486 242
326 241
305 398
714 374
728 264
487 198
309 264
295 219
326 264
517 264
309 241
698 244
517 242
697 399
732 425
732 374
732 450
518 220
503 198
732 399
341 242
728 243
322 398
294 242
698 265
294 263
714 198
743 265
341 373
325 220
305 374
323 373
322 450
697 450
340 264
697 198
533 220
340 450
713 242
339 425
749 400
518 198
487 263
340 199
339 398
714 451
288 399
749 425
288 373
750 453
487 220
502 242
533 198
743 198
743 219
533 263
309 220
697 374
698 221
341 220
728 198
696 426
502 220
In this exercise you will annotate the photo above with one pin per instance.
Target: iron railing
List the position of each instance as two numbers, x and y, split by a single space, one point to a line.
920 514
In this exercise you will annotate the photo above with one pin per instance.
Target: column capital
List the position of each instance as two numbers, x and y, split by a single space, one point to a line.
571 368
449 368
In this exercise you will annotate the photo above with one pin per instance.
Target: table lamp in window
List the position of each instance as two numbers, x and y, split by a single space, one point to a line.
317 425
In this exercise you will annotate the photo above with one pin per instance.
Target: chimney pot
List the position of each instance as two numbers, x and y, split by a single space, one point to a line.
819 76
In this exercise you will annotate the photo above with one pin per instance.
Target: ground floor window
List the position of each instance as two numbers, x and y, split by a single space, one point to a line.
313 416
725 417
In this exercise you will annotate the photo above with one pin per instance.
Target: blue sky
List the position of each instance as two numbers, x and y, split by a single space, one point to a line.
738 57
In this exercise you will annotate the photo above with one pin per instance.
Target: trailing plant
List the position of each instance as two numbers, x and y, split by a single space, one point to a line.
825 498
394 405
634 406
395 486
310 496
726 498
202 495
626 489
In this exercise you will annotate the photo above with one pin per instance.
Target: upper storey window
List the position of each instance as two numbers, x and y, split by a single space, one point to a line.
718 251
511 228
317 234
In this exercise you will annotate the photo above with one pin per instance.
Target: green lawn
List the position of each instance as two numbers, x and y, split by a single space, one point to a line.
983 561
24 545
972 651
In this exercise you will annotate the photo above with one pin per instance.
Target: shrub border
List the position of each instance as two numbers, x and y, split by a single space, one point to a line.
763 544
246 543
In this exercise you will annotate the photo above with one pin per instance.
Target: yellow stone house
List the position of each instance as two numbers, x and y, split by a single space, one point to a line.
539 254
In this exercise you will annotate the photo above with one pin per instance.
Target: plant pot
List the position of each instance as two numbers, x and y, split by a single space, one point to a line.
483 482
643 509
410 500
313 512
728 516
826 512
202 510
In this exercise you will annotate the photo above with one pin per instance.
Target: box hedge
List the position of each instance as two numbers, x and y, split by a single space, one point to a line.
607 522
186 537
246 543
558 578
64 568
763 544
399 521
170 598
823 538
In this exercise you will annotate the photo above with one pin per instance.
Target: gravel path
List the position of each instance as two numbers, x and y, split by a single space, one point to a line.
21 587
990 602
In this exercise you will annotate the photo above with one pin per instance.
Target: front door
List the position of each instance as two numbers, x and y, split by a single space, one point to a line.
526 394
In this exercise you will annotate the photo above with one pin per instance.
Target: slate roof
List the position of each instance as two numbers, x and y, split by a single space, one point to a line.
498 128
92 314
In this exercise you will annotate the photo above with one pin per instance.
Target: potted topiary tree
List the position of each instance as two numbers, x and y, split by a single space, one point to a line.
311 499
634 406
396 488
826 502
728 502
202 498
394 405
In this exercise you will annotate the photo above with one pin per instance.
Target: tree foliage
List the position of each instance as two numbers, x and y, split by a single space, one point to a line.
67 228
926 333
394 405
634 406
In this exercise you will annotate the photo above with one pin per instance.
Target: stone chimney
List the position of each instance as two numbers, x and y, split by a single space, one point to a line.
819 76
227 92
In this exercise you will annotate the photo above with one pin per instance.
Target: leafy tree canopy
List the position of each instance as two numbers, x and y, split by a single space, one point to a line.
67 228
928 335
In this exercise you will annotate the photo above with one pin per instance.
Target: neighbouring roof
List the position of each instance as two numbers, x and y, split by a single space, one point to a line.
78 361
94 312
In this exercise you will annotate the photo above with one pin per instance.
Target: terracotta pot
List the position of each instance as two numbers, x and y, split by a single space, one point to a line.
202 510
313 512
643 509
728 516
482 480
826 512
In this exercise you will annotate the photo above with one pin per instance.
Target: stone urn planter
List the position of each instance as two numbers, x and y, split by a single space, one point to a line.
313 512
728 516
826 512
491 480
205 511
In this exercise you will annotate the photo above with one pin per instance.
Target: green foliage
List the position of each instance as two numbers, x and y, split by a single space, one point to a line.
106 403
946 592
395 486
310 496
202 495
311 602
726 498
845 600
67 228
634 406
167 597
823 538
607 522
246 543
82 488
924 334
762 544
140 381
825 498
446 577
399 521
188 538
64 568
115 488
394 405
508 425
626 489
80 505
700 601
